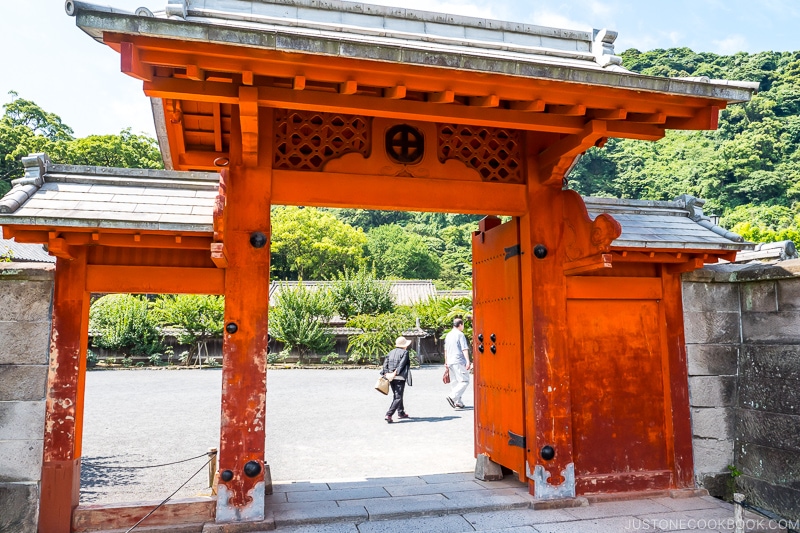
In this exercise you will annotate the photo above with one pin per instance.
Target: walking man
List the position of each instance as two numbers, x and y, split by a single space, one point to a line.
456 358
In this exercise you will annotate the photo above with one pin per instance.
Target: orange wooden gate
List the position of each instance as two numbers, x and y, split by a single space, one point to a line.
619 384
497 344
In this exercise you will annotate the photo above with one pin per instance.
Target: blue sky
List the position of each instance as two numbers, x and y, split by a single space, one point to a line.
45 58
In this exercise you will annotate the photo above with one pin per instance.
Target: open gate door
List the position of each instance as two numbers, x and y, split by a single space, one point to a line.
497 344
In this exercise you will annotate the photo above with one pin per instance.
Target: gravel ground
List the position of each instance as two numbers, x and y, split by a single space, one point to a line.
321 425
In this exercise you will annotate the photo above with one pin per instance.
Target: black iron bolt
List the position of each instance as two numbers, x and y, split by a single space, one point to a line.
258 239
226 475
493 348
493 337
231 327
540 251
548 452
252 469
480 337
480 348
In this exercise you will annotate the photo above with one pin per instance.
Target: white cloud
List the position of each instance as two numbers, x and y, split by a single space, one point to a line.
730 45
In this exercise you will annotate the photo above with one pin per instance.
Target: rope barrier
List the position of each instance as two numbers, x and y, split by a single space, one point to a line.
211 456
94 465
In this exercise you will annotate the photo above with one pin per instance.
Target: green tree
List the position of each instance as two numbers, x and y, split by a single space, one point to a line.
26 128
397 253
378 334
311 244
359 293
121 322
197 318
299 319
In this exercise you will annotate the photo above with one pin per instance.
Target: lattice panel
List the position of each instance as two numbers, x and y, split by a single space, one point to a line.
305 140
494 152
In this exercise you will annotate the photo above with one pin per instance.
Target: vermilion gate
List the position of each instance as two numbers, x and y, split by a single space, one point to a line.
345 105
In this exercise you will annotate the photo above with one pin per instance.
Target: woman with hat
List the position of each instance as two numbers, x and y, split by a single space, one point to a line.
397 369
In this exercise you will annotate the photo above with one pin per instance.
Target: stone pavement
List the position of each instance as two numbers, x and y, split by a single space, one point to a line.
457 502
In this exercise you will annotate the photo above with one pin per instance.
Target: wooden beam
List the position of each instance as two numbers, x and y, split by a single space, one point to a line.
199 160
137 240
299 83
442 97
348 87
193 72
248 118
131 65
358 104
532 106
290 187
577 110
217 115
608 114
397 92
648 118
587 264
706 118
219 255
571 146
616 288
491 100
692 264
155 280
247 77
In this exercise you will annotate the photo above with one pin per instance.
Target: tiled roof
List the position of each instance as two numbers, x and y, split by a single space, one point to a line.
404 292
104 197
397 35
679 224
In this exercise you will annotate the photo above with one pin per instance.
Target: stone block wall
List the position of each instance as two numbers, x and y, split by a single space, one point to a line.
743 342
26 292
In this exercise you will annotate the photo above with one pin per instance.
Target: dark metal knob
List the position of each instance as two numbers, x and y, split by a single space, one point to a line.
493 348
493 337
231 327
540 251
226 475
480 348
258 239
480 337
548 452
252 469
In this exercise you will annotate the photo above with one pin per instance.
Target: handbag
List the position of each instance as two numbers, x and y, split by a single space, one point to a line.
382 385
446 377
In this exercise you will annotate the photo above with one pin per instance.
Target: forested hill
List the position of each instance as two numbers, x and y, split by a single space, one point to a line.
748 170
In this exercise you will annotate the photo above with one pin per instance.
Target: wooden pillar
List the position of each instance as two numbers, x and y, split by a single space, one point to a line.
61 465
548 412
676 382
241 488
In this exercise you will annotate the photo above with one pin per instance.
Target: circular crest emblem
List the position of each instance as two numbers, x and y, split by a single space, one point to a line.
405 144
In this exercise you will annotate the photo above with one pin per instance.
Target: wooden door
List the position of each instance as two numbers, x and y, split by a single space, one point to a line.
497 346
621 432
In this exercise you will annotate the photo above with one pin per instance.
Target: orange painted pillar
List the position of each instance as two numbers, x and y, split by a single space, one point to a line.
676 377
241 488
61 466
548 415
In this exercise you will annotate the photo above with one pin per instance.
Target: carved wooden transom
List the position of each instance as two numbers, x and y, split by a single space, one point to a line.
494 152
305 140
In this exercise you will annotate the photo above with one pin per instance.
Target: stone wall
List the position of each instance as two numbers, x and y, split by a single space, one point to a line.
743 342
26 291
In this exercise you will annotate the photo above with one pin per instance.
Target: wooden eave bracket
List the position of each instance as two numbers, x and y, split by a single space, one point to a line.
58 246
588 264
219 254
555 161
130 63
248 117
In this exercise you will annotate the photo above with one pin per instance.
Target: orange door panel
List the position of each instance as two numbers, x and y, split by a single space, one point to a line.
497 347
618 399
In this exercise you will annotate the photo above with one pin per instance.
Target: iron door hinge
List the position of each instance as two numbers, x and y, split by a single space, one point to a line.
511 251
516 440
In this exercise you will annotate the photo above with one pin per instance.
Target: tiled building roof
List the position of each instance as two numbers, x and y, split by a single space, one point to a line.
24 252
404 292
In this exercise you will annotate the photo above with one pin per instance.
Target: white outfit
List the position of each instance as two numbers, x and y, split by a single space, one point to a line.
454 345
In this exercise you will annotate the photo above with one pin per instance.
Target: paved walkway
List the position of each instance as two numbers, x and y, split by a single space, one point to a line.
455 503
